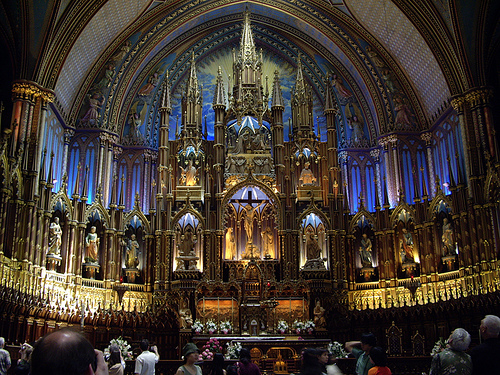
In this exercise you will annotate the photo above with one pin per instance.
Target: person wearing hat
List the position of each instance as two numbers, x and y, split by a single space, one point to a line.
146 361
191 355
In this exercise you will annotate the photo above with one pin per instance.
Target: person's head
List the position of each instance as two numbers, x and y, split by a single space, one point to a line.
323 356
25 351
114 355
63 352
144 345
232 370
368 341
378 356
2 342
490 327
310 358
245 356
218 362
459 339
190 352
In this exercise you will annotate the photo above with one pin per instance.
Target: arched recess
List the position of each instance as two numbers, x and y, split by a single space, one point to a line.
187 243
363 248
313 226
405 240
245 203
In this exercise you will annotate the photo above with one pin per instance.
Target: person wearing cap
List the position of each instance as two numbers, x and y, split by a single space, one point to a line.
191 355
146 361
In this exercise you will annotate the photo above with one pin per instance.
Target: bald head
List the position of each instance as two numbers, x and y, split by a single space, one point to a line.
63 352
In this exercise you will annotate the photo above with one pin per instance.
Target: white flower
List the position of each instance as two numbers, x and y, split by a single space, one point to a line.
197 326
226 325
233 350
211 325
336 349
282 325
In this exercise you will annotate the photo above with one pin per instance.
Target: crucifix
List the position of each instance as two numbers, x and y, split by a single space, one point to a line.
250 211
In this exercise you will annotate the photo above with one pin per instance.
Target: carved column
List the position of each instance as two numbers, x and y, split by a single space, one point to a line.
458 106
427 137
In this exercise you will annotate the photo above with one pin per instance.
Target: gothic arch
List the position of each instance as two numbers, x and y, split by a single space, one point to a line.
136 211
354 221
63 197
431 211
399 208
249 181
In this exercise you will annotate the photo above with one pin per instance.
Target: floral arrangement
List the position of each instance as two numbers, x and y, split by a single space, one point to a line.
210 348
233 350
282 326
298 326
122 345
336 349
197 326
211 326
225 327
439 346
309 326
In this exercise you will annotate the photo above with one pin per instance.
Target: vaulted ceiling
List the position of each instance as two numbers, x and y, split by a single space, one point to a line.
383 52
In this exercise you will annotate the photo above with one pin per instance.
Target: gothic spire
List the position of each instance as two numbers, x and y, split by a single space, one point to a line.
329 100
192 89
277 96
247 54
220 93
165 95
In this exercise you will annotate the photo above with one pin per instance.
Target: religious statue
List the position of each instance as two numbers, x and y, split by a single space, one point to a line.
447 238
313 251
406 244
132 260
307 176
356 125
230 244
189 175
365 251
55 235
92 246
248 223
187 243
185 315
268 243
135 126
319 316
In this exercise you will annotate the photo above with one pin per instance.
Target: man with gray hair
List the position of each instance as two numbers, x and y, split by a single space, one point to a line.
4 358
485 356
453 360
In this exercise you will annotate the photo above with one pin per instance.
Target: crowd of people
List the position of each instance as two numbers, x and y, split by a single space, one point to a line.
68 352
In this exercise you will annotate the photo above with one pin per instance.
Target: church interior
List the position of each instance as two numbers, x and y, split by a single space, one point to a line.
174 169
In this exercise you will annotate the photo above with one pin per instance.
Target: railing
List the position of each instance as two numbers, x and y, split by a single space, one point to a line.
93 283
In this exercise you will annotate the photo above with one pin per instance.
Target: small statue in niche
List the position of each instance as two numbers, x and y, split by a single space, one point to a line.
313 251
230 244
268 243
406 245
92 246
187 244
132 260
365 251
319 315
447 238
307 176
185 315
189 175
55 235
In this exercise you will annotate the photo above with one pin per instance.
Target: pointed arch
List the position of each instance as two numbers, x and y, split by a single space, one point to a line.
435 202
